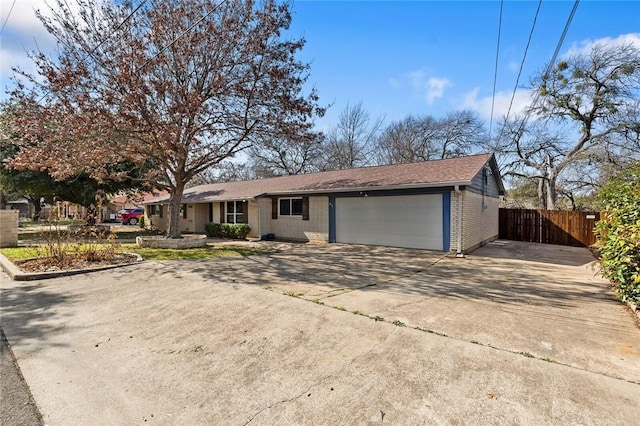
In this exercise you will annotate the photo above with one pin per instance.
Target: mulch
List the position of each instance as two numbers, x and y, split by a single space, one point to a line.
72 261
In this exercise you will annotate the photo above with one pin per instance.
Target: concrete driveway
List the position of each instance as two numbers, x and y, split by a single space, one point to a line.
331 334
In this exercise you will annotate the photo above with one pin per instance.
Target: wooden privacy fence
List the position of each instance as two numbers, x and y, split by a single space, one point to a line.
570 228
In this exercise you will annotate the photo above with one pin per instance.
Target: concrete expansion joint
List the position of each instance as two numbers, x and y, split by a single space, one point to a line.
545 359
418 328
342 291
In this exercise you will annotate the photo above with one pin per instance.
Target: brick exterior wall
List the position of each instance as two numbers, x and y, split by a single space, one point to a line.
9 228
453 237
294 228
197 216
480 222
155 221
479 225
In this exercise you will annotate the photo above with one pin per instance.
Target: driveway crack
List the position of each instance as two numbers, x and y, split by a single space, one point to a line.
283 401
323 380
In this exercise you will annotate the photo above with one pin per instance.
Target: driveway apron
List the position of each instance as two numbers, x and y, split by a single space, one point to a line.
330 334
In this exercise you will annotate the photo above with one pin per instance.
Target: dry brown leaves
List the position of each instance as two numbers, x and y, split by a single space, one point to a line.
72 261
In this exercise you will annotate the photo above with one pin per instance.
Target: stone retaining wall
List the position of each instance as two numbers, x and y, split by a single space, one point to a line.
187 241
9 228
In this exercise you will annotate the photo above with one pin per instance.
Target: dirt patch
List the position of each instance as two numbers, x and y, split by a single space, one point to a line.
72 261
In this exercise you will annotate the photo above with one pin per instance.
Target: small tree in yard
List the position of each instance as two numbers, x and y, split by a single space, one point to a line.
619 232
176 85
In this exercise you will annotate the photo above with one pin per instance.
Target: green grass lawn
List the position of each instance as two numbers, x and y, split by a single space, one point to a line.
46 234
192 253
21 253
30 223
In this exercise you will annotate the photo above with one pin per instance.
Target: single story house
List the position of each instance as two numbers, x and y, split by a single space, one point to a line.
446 205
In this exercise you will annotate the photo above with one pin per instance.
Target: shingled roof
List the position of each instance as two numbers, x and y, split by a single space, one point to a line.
449 172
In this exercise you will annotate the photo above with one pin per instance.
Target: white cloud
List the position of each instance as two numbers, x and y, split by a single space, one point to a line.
23 33
482 106
436 87
23 16
585 46
423 84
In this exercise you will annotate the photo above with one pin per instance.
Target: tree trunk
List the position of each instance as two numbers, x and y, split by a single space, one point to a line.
37 207
551 189
541 197
173 214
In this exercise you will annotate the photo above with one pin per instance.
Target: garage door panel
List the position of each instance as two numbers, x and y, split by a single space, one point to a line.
413 221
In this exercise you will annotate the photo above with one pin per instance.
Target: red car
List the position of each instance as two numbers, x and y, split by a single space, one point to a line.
129 216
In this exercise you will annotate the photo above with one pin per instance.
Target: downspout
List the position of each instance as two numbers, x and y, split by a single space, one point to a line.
257 200
458 192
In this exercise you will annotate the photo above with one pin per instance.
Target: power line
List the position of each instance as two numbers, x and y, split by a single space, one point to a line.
561 41
183 33
553 58
524 57
124 21
7 18
495 72
550 65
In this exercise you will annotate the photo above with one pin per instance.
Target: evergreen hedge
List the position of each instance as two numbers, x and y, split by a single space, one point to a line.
619 233
236 231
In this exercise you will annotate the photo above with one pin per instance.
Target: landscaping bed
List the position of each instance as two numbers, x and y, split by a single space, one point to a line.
73 261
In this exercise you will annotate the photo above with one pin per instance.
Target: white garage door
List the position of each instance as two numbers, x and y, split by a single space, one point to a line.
413 221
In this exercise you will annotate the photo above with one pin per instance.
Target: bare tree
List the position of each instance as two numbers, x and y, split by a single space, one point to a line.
350 143
179 85
460 133
407 141
427 138
280 156
588 115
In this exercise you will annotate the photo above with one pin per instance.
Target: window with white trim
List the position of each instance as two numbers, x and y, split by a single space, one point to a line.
235 212
290 206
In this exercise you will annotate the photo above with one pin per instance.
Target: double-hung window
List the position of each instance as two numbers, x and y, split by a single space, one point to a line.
291 206
155 210
236 212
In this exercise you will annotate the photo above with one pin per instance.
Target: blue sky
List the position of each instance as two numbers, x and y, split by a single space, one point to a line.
401 58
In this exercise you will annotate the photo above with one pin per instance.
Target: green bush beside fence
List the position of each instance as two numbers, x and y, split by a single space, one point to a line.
619 233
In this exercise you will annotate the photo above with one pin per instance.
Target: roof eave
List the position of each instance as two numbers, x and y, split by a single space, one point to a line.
329 191
369 188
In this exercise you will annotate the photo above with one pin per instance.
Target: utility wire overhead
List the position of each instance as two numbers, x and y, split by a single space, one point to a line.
205 16
549 65
124 21
4 24
495 71
524 57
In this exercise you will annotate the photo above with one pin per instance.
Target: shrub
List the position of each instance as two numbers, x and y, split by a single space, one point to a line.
213 229
235 230
619 233
227 230
141 222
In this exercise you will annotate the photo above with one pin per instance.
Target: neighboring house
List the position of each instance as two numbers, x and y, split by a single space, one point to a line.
438 205
23 207
122 201
27 210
